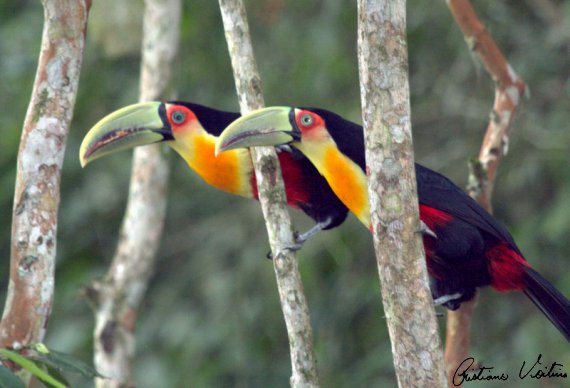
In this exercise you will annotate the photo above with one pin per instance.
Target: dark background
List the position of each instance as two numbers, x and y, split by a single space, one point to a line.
211 316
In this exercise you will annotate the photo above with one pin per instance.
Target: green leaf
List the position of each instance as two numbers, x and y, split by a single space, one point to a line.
64 362
55 373
31 367
9 380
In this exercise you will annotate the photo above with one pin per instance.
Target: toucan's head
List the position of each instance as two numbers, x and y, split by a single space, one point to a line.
334 145
190 129
275 126
151 122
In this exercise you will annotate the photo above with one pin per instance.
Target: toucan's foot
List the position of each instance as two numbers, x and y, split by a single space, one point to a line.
293 247
301 238
443 300
297 245
424 229
299 242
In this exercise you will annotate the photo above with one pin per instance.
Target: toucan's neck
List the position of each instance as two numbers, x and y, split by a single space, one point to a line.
343 175
230 171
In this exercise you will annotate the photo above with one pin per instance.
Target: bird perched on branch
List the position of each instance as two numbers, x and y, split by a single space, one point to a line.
465 246
191 130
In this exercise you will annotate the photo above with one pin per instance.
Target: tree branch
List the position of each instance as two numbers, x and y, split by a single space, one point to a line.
509 90
272 198
383 64
40 157
116 297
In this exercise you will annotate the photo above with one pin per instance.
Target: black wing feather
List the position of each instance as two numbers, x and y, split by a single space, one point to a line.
434 189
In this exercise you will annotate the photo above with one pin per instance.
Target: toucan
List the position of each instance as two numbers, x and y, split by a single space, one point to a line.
191 130
465 246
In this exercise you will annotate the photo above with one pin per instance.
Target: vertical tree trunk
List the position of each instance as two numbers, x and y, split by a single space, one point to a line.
37 195
509 89
272 198
383 64
116 298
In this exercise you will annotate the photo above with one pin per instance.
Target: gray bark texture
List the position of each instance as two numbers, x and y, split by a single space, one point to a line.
40 157
384 85
116 297
272 198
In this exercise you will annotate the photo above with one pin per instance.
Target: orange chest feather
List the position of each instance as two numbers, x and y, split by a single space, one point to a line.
348 182
230 171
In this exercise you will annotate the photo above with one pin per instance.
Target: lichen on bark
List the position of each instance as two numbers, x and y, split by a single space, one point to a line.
272 197
40 158
410 316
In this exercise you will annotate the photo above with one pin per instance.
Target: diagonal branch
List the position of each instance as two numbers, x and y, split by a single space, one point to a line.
272 198
509 90
384 90
116 297
40 157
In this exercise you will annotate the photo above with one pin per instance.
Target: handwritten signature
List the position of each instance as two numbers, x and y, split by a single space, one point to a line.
537 370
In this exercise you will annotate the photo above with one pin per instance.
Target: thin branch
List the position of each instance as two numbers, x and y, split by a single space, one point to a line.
116 297
272 198
384 86
509 90
40 157
458 338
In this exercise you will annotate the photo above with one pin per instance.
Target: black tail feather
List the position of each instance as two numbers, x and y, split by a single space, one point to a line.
549 300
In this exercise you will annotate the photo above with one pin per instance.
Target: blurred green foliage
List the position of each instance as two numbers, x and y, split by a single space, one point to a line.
211 316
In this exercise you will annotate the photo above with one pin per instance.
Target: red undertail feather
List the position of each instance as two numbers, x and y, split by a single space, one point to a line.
253 181
433 217
510 271
294 181
506 267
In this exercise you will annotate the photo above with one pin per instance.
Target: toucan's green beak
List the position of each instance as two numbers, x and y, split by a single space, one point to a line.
264 127
129 127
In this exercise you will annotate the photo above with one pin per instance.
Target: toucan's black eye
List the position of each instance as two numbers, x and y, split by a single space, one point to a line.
178 117
306 120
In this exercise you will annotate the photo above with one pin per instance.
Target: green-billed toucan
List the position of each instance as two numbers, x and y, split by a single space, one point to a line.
191 130
468 247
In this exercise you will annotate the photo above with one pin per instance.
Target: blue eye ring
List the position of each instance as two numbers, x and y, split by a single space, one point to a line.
306 120
178 117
